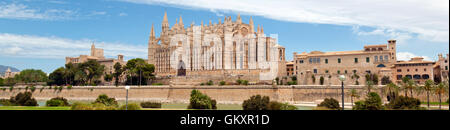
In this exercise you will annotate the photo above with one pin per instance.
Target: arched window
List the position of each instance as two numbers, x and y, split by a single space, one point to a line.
425 76
409 76
417 76
381 65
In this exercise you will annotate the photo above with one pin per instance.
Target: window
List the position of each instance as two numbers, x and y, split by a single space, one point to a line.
399 70
301 61
407 70
367 59
399 77
446 67
345 71
376 58
381 58
315 71
425 70
326 71
326 61
339 60
318 60
417 70
356 60
386 58
310 60
354 71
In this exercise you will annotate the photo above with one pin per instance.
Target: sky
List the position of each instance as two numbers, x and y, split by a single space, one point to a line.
39 34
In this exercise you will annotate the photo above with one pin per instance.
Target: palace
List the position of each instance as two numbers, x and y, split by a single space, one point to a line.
311 67
223 51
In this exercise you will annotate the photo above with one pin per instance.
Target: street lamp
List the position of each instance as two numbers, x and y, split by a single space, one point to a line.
342 79
126 101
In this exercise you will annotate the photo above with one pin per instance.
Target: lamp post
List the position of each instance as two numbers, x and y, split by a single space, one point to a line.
342 79
126 101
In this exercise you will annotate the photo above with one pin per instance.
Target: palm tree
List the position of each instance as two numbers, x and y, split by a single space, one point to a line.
408 84
429 84
353 94
392 90
369 85
440 90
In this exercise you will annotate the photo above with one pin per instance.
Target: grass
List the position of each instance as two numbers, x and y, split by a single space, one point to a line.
32 108
435 103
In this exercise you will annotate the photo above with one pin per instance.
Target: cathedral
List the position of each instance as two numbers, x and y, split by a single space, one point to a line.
223 51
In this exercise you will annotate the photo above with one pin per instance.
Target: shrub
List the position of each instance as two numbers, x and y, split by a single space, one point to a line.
292 83
313 79
256 102
23 99
372 102
157 84
56 102
91 106
32 89
330 103
69 87
404 103
244 82
5 102
201 84
199 100
11 88
447 100
222 83
209 83
239 82
3 89
131 106
105 100
274 105
321 80
150 105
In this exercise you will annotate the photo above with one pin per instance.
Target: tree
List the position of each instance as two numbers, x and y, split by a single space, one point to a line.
356 77
118 71
138 68
330 103
372 102
408 84
429 85
256 102
369 85
391 91
31 76
385 80
353 94
23 99
1 82
108 77
57 77
94 70
313 79
373 78
199 100
321 80
440 89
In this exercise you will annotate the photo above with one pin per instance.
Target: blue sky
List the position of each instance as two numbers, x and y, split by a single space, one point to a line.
40 33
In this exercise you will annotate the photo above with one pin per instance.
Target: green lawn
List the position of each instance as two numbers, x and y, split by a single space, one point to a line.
435 103
32 108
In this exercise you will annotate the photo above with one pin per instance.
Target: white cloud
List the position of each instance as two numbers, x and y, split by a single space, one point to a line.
21 11
406 56
427 18
123 14
97 13
14 45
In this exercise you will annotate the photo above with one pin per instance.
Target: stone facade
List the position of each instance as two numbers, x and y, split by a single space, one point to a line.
9 74
223 94
416 69
215 51
290 69
377 59
442 66
97 54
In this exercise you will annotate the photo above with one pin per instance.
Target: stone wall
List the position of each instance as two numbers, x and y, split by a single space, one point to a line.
223 94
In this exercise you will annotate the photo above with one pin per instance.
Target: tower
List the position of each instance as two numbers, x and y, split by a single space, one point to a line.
151 46
252 26
393 49
92 49
165 30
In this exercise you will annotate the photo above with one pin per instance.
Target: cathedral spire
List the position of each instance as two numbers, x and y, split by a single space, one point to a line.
152 33
259 29
165 23
165 20
252 26
181 20
239 20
